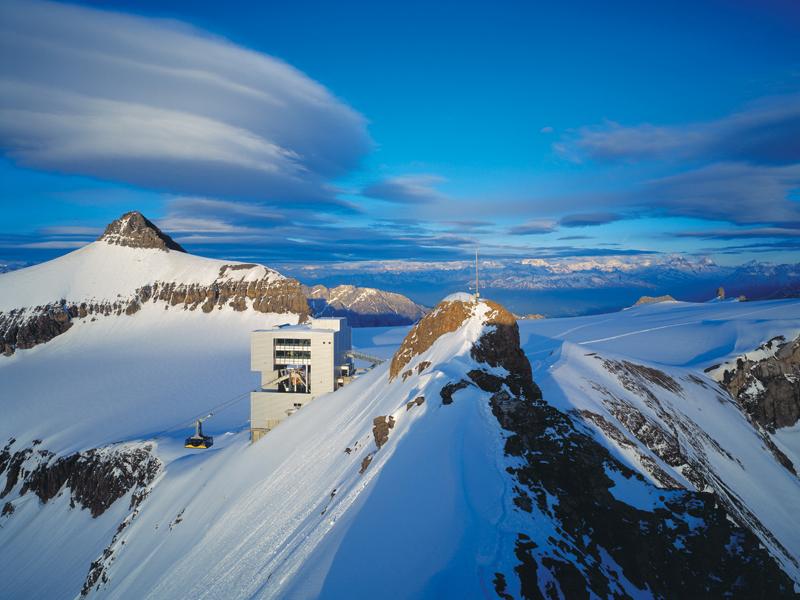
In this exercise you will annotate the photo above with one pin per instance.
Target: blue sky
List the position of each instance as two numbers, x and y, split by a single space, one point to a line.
330 131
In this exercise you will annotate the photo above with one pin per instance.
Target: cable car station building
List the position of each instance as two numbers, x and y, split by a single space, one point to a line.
297 364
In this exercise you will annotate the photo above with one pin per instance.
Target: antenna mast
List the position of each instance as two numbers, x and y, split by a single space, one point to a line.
477 293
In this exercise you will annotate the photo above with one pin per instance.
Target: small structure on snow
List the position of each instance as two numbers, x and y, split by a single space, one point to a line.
297 364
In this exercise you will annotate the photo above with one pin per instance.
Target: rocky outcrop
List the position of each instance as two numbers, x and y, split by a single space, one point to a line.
448 316
765 383
24 328
681 544
363 307
134 230
654 299
380 429
95 478
27 327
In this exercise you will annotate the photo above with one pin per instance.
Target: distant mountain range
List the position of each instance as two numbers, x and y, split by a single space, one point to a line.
363 306
395 292
568 286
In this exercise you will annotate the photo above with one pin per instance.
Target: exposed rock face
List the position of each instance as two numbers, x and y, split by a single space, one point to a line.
766 383
448 316
363 307
380 429
664 443
654 299
134 230
95 478
26 327
683 545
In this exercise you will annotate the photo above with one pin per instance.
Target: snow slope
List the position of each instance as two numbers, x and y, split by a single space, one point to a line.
292 516
303 502
577 364
122 377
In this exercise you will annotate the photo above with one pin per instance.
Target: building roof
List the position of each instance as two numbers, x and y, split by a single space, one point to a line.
312 327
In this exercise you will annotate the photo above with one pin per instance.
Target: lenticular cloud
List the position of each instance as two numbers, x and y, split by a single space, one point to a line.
157 104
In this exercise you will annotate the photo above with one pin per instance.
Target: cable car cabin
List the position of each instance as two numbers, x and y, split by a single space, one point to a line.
198 440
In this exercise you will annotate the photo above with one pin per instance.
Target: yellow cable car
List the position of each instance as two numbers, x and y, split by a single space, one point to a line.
198 441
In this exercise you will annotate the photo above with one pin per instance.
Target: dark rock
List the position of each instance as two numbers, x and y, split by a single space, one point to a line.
768 390
451 388
96 478
25 329
134 230
365 463
562 474
418 401
499 583
380 429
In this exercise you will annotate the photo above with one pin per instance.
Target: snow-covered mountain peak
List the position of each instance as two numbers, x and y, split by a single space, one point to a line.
134 230
363 306
132 266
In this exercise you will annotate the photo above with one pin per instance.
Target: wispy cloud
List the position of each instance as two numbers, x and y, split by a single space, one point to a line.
70 230
736 234
406 189
534 228
735 192
55 244
589 219
742 168
766 132
86 93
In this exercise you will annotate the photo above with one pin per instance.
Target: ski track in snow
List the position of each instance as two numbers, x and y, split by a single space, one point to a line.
647 330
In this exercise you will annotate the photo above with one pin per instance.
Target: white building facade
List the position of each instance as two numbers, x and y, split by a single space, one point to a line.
297 363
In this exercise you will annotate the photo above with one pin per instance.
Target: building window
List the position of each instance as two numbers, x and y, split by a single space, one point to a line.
293 354
292 342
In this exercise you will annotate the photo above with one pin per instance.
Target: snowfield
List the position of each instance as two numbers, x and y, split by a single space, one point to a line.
293 516
681 340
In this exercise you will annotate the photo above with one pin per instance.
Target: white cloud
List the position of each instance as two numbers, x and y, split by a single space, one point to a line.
158 104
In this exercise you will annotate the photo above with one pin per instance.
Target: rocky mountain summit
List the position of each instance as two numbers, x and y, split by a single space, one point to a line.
131 267
134 230
363 306
667 540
